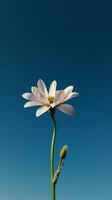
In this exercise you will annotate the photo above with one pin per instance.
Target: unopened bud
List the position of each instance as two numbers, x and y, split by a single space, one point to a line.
63 152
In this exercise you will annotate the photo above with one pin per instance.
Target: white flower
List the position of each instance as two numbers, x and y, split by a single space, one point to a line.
40 96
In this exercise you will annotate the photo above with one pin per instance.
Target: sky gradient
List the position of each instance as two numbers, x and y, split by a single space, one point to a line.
72 43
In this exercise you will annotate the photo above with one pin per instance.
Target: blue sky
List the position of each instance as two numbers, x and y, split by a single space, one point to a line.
72 43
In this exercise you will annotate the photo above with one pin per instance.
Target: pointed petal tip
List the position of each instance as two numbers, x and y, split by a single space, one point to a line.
25 106
76 94
40 81
37 114
42 87
23 95
32 88
54 81
52 88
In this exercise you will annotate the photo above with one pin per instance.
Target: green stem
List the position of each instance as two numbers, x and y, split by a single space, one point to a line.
52 158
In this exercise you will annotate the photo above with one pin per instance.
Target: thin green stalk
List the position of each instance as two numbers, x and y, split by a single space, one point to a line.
53 194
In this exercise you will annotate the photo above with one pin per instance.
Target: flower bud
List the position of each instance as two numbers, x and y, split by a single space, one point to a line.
63 152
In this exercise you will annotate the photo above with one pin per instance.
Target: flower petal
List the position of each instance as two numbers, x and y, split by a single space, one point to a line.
42 87
68 91
59 94
40 97
26 95
73 94
29 96
41 110
66 108
31 103
59 98
34 90
52 89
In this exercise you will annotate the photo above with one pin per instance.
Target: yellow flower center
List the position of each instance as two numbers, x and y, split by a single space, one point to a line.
46 104
51 99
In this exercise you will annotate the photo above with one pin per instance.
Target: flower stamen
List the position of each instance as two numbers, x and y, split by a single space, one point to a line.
46 104
51 99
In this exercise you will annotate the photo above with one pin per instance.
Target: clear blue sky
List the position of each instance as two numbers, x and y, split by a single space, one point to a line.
70 41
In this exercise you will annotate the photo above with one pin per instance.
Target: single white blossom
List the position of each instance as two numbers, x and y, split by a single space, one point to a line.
51 99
